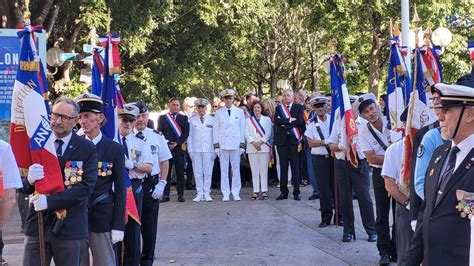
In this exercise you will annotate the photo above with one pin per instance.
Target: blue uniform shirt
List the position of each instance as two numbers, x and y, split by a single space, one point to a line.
429 143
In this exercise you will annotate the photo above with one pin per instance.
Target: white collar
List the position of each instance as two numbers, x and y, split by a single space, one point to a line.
65 139
96 139
464 146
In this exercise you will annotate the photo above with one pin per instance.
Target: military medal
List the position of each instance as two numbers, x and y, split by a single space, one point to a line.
66 183
437 159
73 180
79 179
109 172
465 203
103 174
432 172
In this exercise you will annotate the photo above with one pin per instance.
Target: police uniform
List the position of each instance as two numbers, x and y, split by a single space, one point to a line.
106 205
150 208
229 139
371 139
65 239
138 152
349 177
442 235
201 151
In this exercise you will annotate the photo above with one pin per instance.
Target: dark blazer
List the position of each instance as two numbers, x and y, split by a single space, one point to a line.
74 199
442 236
415 201
283 126
107 207
168 132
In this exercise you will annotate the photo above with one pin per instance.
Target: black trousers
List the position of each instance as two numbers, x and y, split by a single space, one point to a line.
385 243
178 162
404 231
216 174
189 171
149 221
349 177
324 166
289 152
131 239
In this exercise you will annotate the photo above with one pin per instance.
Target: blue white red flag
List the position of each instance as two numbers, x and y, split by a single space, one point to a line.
97 72
470 47
286 114
174 125
348 125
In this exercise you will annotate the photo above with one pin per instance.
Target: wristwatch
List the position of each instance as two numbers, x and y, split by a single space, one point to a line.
406 202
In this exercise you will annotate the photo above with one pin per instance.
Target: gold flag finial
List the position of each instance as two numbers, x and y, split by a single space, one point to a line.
26 12
416 18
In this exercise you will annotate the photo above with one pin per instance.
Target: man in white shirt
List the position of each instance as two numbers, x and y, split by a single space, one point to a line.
10 176
229 143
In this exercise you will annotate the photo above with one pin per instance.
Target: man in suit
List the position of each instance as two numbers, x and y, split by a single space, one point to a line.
153 184
229 143
289 127
106 205
442 235
175 128
65 239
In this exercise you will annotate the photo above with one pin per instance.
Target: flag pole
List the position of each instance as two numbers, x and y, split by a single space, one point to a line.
406 32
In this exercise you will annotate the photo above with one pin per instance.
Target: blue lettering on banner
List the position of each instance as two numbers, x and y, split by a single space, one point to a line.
41 135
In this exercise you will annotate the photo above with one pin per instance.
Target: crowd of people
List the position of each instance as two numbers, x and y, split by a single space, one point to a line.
288 138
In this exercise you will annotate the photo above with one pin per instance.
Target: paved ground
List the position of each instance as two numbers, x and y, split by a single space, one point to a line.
241 233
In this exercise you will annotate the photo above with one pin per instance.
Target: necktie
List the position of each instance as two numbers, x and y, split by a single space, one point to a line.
288 106
202 119
125 147
228 111
140 135
448 172
59 148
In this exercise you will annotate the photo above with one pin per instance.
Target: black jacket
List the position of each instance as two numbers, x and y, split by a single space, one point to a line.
169 134
107 207
283 126
442 236
74 199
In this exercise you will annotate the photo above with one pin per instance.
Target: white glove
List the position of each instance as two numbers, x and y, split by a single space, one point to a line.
413 225
116 236
35 172
128 164
216 151
39 202
242 151
158 191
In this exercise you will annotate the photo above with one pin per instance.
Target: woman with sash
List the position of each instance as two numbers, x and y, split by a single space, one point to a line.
257 134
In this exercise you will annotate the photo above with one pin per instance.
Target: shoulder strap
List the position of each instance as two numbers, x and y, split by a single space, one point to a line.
320 133
376 137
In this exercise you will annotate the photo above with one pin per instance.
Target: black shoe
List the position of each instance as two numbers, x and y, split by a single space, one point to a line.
297 197
181 199
372 238
341 222
282 197
189 187
346 237
384 259
324 224
394 258
165 199
313 197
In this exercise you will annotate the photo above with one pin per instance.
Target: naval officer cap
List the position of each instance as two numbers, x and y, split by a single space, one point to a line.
363 101
452 95
129 112
141 107
318 101
227 93
89 103
353 98
201 102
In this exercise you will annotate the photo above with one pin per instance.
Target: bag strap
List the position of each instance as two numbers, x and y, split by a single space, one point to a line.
320 133
376 137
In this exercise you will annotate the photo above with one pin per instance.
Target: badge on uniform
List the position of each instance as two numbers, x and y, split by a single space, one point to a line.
136 154
72 173
421 150
437 159
153 148
465 203
105 168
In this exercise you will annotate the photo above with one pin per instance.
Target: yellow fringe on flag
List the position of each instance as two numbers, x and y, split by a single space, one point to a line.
114 70
32 66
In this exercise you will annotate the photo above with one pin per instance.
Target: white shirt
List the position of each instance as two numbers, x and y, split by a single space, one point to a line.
159 149
139 152
65 140
251 134
200 134
96 139
312 132
369 143
335 137
393 163
11 174
465 147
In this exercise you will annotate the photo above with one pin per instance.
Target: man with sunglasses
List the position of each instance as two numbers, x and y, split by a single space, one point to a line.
65 239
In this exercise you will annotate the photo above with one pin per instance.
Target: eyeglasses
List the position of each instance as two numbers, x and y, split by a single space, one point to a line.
64 118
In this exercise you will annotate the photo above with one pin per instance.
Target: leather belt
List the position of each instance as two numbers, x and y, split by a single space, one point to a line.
325 156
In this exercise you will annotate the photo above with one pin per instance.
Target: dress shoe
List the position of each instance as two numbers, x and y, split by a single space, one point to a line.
384 259
372 238
207 197
313 197
341 222
297 197
324 224
225 198
236 197
346 237
198 198
165 199
181 198
282 197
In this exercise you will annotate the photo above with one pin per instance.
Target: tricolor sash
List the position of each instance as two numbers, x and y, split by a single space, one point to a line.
261 132
286 114
174 125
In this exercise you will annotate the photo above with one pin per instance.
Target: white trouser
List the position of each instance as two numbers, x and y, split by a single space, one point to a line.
203 162
259 166
278 167
234 157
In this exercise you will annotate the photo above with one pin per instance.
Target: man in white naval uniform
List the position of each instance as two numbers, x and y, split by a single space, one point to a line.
229 143
201 150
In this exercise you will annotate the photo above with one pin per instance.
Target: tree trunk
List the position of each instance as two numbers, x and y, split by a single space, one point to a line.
273 84
41 11
375 59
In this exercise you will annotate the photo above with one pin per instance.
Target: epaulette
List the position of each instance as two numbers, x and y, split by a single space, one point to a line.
157 132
